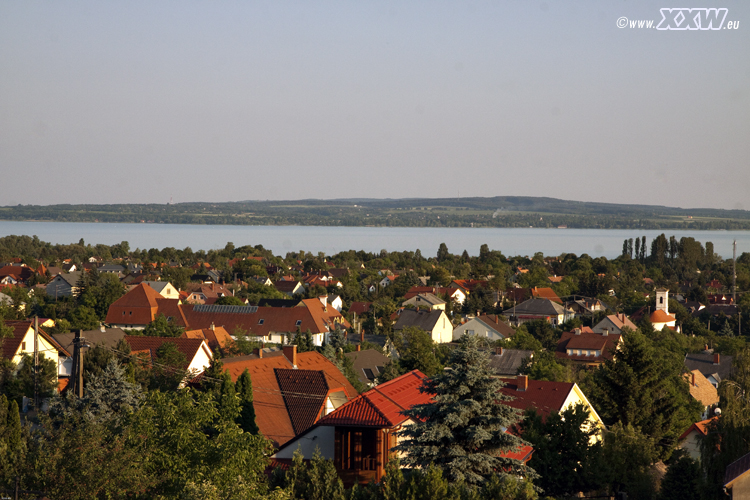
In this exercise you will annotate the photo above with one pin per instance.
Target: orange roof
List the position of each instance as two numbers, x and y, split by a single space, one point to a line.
701 389
137 307
271 411
188 347
545 293
660 316
215 337
701 427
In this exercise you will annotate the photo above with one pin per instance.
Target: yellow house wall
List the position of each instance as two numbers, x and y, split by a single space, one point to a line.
45 348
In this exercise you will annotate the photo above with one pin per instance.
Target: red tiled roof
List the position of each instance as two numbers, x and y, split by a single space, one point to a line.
545 397
137 307
360 307
304 393
701 427
382 405
215 337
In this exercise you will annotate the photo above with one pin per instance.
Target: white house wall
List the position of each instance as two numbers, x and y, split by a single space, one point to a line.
322 438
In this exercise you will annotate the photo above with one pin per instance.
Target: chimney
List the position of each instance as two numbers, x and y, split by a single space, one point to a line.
258 352
290 351
362 336
693 379
522 381
359 347
577 331
717 359
102 328
213 327
499 351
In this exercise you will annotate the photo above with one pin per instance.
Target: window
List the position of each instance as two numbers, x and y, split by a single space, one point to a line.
23 346
469 332
261 321
299 322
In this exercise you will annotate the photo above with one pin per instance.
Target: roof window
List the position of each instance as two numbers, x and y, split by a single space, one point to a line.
261 321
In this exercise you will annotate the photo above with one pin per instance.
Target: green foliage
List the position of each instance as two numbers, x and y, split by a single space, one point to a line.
162 327
83 318
246 417
315 480
229 300
303 341
417 351
168 370
682 480
627 455
13 442
462 431
564 456
543 332
646 390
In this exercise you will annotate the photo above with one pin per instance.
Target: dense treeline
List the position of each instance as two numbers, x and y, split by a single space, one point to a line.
467 212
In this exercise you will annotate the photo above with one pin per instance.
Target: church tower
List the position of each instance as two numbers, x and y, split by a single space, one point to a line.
662 300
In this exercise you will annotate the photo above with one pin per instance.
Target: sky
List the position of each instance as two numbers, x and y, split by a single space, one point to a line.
147 101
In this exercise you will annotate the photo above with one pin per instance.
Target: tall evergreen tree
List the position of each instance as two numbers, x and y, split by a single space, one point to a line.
246 419
463 430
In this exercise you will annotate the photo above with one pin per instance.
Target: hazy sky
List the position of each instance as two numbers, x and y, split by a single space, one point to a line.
134 102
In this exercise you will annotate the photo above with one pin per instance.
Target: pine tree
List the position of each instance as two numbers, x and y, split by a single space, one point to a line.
463 430
246 419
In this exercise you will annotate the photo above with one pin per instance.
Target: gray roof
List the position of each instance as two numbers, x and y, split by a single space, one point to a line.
71 278
424 299
109 337
536 307
426 320
508 363
157 285
704 363
368 364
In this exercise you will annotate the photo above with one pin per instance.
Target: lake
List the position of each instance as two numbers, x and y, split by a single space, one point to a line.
333 239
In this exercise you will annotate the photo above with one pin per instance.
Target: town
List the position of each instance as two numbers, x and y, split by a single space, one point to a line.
234 373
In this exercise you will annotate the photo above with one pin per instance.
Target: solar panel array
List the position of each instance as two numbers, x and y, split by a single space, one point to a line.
213 308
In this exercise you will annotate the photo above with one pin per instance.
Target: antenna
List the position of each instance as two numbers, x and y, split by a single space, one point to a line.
734 272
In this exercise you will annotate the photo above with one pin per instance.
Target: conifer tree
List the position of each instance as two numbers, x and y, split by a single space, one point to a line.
246 419
463 430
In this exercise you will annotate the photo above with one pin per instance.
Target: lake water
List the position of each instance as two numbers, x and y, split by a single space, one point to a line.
283 239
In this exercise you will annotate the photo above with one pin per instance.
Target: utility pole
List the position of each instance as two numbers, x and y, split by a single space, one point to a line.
36 363
78 365
734 272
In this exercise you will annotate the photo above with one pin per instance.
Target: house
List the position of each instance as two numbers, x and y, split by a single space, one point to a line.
21 343
335 301
164 288
584 346
196 351
538 309
506 362
368 364
661 317
142 305
703 391
290 288
547 397
388 280
487 326
13 275
291 392
714 367
428 300
585 306
614 323
64 285
360 434
452 293
436 323
216 337
207 293
737 479
115 269
690 440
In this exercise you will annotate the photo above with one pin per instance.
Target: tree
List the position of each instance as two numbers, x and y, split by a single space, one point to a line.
416 350
162 327
229 300
462 431
626 456
246 418
442 253
682 480
13 441
645 390
564 455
